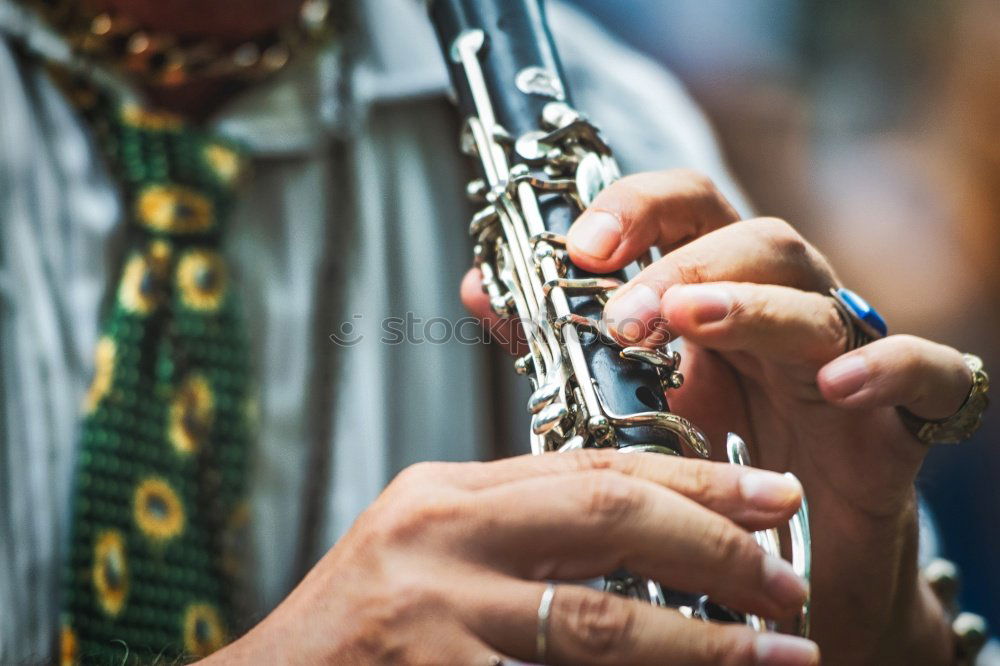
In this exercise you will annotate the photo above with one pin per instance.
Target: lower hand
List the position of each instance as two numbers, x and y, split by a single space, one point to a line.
447 567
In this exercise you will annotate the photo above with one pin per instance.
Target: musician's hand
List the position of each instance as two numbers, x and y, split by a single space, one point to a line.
764 357
447 567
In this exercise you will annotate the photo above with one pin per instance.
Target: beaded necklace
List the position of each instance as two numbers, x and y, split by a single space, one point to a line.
162 59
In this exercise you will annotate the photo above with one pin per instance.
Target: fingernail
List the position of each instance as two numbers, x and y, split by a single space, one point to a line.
846 375
769 491
630 313
781 582
596 233
708 303
772 649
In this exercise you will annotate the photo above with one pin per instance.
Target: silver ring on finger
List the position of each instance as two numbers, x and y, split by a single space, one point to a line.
542 631
862 322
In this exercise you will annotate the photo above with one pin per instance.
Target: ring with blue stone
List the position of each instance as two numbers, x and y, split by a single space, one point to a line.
862 322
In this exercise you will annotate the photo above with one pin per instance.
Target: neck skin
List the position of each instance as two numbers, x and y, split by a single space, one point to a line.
229 22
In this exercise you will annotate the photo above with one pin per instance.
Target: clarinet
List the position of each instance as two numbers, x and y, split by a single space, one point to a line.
540 163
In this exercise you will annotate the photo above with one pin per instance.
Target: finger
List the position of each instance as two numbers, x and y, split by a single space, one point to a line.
753 498
662 209
577 526
473 296
504 330
775 322
587 626
762 251
929 379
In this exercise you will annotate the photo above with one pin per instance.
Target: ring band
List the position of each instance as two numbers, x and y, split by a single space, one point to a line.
862 322
961 425
542 634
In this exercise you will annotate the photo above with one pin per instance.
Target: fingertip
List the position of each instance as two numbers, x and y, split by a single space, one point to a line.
471 292
773 649
770 491
843 378
594 238
633 314
472 280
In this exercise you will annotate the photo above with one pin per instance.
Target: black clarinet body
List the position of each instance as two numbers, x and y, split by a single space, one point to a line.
523 83
541 163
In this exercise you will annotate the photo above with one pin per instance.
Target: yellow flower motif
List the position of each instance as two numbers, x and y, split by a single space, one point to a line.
203 630
136 116
67 647
191 414
138 290
110 572
202 278
104 369
226 163
174 209
158 510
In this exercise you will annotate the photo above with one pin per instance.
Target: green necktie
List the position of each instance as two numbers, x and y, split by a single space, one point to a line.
160 486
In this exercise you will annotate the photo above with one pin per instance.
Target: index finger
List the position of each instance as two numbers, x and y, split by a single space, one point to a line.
753 498
663 209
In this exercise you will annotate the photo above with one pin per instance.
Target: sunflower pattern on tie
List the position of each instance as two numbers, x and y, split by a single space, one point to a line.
160 480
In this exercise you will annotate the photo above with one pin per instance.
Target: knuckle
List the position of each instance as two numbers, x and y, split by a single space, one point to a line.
914 368
698 181
599 459
692 269
742 310
909 349
419 474
700 480
598 623
611 497
809 269
412 516
727 542
431 514
783 237
834 330
756 308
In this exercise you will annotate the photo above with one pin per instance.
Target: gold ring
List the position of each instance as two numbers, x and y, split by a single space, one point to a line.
961 425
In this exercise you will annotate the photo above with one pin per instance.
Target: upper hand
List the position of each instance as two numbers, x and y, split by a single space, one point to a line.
764 357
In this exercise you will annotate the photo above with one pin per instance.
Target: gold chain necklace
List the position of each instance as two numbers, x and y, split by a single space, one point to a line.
166 60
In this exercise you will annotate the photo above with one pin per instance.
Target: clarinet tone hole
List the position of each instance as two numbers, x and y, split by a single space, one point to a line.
649 397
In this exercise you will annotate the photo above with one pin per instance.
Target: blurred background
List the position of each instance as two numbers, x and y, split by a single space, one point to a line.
874 127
